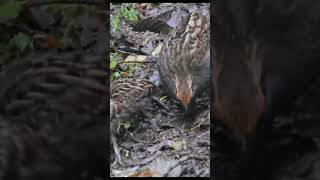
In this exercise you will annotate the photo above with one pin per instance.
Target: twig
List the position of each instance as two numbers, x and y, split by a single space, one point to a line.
141 62
147 160
116 149
185 158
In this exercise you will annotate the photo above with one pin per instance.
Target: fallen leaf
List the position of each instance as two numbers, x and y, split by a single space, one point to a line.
156 51
135 58
163 98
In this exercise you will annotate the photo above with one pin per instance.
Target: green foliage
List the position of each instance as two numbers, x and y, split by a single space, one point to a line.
66 41
130 70
115 75
12 12
126 125
20 43
113 64
114 60
10 9
67 24
115 23
126 12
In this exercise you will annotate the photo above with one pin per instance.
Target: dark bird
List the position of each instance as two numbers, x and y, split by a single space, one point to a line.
128 98
184 62
267 52
53 117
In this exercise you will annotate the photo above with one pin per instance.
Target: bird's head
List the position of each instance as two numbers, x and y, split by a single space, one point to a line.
184 92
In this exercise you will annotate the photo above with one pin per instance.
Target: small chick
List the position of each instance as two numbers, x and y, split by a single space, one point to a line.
128 97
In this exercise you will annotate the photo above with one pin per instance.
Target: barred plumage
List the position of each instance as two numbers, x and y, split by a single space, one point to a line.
54 117
184 62
128 97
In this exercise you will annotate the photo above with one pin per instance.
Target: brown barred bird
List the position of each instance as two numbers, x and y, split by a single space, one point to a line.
262 54
184 62
128 97
53 117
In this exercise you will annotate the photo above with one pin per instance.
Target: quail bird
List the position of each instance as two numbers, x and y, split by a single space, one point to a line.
184 62
128 97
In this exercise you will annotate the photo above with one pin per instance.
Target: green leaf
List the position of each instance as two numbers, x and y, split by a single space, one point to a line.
127 124
156 51
20 42
116 75
127 11
130 70
115 23
113 64
114 59
11 9
66 41
163 98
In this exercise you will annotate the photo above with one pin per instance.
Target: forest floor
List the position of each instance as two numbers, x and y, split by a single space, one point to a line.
160 142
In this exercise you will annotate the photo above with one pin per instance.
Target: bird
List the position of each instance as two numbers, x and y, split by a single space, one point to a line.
129 92
129 97
184 61
53 116
261 54
239 100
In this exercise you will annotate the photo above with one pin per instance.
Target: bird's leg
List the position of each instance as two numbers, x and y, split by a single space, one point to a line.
160 103
156 99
